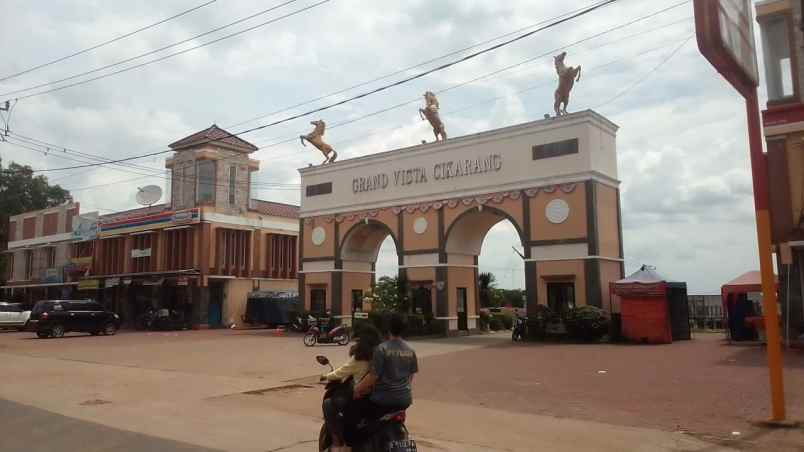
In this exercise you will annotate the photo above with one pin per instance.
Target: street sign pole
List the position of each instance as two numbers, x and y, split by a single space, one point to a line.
725 32
759 173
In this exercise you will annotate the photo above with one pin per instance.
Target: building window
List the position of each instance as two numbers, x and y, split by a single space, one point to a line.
82 249
29 265
233 252
281 256
205 192
50 257
10 267
12 231
778 61
178 250
232 179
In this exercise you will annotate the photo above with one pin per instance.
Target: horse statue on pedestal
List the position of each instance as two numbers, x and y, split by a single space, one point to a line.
567 76
430 113
316 139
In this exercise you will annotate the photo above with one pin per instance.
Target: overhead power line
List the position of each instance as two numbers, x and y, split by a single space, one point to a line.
155 173
506 68
402 71
376 90
162 58
110 41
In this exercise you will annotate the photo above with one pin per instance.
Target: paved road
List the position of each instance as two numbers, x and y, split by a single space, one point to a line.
33 430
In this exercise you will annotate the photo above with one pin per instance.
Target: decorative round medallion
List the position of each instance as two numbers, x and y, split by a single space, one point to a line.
420 225
319 235
557 211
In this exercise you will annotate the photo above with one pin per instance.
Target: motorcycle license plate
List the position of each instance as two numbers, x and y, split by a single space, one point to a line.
405 445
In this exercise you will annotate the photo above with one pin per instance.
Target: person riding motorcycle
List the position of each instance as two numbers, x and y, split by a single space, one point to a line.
387 386
360 355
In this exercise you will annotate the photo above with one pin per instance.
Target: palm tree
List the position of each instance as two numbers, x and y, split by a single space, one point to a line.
487 285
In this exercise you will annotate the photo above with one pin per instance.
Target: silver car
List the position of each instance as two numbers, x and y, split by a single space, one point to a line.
12 315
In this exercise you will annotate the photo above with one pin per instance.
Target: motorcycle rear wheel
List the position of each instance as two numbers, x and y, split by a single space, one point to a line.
344 340
310 339
324 439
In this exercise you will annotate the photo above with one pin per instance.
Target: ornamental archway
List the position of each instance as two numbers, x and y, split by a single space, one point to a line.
554 180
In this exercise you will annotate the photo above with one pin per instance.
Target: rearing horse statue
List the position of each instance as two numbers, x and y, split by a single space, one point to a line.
430 112
316 139
567 76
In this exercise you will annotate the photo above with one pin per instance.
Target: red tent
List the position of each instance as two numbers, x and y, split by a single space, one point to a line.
738 310
653 309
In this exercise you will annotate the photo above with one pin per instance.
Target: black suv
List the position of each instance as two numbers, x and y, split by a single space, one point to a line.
53 318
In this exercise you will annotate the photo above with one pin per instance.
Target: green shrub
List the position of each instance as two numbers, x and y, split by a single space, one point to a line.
587 323
506 318
495 323
483 321
538 319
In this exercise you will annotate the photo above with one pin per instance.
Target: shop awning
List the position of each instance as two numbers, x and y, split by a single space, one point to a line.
28 286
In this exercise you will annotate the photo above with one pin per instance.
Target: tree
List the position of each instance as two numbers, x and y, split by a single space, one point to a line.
21 191
487 284
512 297
389 295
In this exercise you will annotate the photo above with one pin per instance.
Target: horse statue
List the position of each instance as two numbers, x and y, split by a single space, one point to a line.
567 76
316 139
430 113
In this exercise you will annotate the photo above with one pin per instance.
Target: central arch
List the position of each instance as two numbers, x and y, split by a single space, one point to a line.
462 245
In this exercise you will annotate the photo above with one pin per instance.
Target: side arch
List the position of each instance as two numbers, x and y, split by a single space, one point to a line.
363 240
465 235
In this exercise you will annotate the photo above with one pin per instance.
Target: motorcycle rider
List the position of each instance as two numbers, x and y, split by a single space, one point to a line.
355 369
388 383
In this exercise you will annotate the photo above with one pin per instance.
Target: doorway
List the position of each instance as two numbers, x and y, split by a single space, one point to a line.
560 297
463 321
422 299
318 301
215 312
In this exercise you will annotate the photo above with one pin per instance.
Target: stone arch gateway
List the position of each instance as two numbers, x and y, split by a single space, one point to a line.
555 180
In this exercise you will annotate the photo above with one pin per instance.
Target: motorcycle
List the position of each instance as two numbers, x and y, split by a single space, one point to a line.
302 324
146 320
519 331
338 335
387 433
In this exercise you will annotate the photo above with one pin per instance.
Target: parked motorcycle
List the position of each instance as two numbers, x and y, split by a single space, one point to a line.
146 320
367 435
340 335
519 331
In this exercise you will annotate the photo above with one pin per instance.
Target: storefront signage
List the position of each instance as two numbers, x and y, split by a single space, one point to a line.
185 216
361 315
85 227
136 254
422 175
88 284
182 281
52 275
112 282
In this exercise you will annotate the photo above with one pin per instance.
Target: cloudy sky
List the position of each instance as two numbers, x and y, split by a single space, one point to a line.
683 158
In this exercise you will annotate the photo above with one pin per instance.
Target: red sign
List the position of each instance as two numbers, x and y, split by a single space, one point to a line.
725 32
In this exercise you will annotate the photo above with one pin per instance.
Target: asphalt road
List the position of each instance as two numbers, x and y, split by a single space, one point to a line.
24 428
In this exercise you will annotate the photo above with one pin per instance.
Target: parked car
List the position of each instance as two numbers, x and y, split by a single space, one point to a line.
53 318
13 315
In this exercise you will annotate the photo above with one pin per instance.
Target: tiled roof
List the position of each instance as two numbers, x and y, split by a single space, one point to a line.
133 213
213 133
275 209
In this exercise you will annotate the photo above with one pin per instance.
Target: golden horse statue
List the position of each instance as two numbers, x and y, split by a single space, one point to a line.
430 113
567 76
316 139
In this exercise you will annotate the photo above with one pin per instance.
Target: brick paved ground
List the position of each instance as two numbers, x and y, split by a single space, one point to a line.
702 386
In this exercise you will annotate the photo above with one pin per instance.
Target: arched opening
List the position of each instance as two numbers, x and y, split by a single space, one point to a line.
368 253
489 234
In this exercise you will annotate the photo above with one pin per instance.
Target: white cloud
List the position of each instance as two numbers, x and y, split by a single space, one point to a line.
686 190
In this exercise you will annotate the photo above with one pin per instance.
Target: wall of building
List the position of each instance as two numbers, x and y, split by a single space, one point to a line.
562 271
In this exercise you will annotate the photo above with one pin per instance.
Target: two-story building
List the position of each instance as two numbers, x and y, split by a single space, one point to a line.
39 252
783 121
199 254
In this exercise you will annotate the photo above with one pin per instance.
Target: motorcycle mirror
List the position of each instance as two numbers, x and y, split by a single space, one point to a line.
322 360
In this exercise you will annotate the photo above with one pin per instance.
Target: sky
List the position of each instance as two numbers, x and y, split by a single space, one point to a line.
682 144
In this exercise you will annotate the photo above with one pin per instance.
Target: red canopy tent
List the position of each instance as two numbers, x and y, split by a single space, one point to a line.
737 309
653 309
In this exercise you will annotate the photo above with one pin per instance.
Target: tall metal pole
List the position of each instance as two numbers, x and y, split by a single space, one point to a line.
769 302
